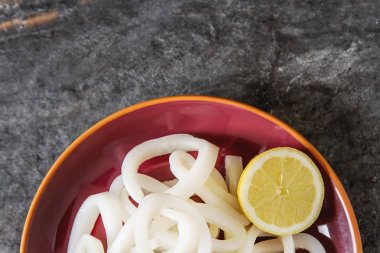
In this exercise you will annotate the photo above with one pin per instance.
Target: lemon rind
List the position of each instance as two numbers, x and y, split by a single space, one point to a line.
255 164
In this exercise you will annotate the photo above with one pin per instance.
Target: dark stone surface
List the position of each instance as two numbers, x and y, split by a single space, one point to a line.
313 64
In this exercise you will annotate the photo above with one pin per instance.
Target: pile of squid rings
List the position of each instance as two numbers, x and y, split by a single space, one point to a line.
166 218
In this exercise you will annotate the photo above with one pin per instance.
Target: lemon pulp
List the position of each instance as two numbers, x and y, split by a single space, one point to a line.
281 191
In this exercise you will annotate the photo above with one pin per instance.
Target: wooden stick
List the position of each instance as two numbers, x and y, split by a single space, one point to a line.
39 19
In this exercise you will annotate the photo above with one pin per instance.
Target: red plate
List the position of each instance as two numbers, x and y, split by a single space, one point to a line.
92 161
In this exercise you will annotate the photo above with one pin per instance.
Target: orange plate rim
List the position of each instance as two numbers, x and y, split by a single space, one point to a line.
122 112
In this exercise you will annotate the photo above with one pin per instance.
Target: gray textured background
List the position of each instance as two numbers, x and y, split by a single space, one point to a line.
313 64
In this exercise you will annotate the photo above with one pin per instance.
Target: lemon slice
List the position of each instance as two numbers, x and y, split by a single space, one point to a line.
281 191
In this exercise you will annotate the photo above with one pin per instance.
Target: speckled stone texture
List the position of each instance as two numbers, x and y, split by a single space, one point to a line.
313 64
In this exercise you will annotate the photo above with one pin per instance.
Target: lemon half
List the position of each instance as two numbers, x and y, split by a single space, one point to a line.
281 191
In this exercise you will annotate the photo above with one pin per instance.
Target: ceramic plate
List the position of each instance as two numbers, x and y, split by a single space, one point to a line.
92 161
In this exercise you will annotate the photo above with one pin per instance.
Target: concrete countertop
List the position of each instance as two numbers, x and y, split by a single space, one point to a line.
64 65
